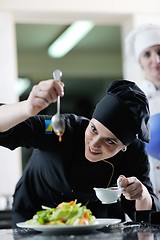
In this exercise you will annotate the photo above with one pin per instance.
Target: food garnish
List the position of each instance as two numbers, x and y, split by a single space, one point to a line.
66 213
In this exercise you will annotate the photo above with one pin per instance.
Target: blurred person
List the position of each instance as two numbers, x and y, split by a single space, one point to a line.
143 46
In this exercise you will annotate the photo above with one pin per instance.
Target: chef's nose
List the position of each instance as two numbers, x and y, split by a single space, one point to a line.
96 142
156 57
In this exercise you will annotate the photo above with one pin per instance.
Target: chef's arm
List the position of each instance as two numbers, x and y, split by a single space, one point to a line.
41 96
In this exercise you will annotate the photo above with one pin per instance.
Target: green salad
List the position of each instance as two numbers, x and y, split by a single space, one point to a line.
68 213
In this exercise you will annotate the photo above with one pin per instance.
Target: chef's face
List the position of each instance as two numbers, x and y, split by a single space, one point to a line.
150 63
100 143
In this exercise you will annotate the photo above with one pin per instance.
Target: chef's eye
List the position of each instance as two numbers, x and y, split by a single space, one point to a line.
110 141
158 52
93 129
147 54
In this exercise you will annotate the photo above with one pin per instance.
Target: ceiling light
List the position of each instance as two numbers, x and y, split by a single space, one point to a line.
22 85
69 38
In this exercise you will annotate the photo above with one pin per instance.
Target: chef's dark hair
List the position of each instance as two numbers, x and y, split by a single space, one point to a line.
124 110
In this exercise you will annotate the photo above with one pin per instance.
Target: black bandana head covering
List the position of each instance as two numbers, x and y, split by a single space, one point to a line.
124 111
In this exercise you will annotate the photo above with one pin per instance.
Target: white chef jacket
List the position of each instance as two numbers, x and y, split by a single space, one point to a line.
153 96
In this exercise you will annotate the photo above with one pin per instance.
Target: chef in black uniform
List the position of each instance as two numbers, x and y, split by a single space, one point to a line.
92 153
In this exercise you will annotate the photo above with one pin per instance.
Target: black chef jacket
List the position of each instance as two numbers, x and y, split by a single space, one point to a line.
59 171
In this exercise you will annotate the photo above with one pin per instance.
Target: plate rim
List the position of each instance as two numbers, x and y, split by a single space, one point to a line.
99 223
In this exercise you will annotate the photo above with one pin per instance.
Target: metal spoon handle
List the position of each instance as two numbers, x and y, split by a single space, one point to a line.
58 105
57 74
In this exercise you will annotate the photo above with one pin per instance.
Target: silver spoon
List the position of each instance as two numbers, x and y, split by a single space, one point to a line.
58 122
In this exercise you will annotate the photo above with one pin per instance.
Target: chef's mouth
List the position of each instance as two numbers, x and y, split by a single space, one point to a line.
94 151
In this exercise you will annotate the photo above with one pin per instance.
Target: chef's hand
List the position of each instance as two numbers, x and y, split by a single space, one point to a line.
133 189
42 95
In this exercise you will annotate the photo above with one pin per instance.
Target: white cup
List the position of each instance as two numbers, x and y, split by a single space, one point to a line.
108 195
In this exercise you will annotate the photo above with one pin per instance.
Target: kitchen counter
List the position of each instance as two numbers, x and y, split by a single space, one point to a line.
129 230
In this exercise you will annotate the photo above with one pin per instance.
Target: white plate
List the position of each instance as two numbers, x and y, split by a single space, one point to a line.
99 223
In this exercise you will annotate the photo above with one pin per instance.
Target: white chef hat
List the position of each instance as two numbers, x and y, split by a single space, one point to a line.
141 38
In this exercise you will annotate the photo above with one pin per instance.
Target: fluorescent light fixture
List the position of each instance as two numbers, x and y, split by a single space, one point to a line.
69 38
22 85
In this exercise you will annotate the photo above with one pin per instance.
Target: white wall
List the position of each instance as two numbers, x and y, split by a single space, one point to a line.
10 162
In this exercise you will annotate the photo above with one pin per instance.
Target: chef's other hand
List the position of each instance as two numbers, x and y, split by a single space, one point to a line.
133 189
